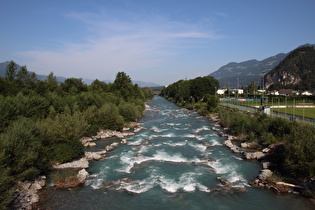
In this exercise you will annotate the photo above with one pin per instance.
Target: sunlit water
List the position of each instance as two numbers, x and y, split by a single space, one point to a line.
170 168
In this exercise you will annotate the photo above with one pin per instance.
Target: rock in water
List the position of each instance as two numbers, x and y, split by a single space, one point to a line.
82 175
82 163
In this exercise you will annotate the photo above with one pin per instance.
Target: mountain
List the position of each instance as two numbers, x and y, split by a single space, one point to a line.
296 71
234 75
3 67
62 79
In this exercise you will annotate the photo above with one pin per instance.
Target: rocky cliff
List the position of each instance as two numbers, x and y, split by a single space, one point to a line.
296 71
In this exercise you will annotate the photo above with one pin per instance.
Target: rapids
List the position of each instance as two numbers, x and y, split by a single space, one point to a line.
169 165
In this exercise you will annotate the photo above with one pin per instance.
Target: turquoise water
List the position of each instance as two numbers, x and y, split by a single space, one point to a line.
170 167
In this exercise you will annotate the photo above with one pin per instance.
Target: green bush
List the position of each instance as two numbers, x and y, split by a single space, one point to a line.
66 151
108 117
24 149
294 154
129 112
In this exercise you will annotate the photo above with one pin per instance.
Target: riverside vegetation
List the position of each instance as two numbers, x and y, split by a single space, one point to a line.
293 151
41 122
198 94
292 154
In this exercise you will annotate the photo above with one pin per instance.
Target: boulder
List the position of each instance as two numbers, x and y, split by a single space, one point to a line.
226 187
264 174
35 187
89 144
114 144
82 163
136 130
109 148
232 146
123 141
93 156
85 140
254 155
248 144
266 165
82 175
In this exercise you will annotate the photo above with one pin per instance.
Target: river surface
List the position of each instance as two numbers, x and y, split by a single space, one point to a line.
170 167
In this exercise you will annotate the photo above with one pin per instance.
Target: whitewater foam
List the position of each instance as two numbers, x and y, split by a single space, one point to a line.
129 161
135 143
204 128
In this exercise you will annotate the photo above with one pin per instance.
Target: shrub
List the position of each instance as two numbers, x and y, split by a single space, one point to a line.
108 117
129 112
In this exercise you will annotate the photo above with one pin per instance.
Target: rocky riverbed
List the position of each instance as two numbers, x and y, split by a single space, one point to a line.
26 194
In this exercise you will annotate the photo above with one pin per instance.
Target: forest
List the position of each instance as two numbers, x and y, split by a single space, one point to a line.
41 122
198 94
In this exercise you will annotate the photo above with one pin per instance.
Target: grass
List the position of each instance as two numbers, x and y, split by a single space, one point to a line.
306 112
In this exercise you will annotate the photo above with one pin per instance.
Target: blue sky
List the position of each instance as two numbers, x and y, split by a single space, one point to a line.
160 41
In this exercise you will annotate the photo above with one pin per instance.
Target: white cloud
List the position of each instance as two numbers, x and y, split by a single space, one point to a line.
135 45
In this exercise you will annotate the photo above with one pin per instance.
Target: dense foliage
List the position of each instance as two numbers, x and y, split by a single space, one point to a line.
294 153
198 93
41 121
296 71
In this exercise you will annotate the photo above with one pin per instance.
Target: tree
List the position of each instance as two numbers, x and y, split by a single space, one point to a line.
123 85
251 88
22 76
203 85
51 81
74 85
122 81
10 72
98 86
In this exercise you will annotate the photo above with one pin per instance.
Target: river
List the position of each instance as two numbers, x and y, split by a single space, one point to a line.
170 167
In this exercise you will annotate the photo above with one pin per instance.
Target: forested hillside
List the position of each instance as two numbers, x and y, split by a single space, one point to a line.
296 71
41 121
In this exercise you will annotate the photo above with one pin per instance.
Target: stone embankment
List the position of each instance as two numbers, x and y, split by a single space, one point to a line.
250 152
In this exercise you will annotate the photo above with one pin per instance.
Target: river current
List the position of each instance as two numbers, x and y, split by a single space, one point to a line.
170 165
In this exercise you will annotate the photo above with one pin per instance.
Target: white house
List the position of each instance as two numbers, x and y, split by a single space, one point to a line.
306 93
221 91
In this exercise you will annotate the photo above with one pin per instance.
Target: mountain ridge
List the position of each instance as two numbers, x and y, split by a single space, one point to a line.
3 66
296 71
238 74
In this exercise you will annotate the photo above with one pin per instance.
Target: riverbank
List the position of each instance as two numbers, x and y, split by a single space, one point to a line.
72 174
254 151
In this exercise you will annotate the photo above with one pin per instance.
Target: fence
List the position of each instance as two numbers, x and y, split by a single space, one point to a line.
287 116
